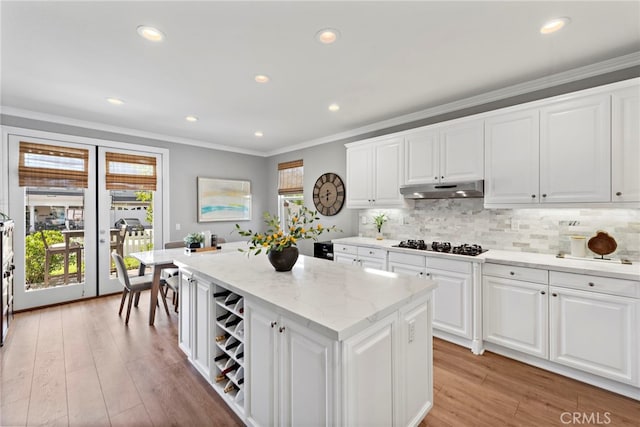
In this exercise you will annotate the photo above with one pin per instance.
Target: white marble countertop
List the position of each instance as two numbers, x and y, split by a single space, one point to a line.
333 299
524 259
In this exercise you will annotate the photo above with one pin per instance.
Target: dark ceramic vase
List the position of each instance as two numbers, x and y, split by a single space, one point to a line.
285 259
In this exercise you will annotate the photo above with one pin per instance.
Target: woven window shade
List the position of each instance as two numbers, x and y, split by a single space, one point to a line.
290 177
130 172
42 165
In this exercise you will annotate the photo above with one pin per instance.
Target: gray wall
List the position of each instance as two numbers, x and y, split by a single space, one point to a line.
186 163
331 157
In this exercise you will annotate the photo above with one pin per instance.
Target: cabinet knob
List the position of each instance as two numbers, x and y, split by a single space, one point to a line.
420 274
512 273
370 252
435 177
544 195
543 292
442 177
428 274
619 193
281 329
273 324
591 284
554 294
533 196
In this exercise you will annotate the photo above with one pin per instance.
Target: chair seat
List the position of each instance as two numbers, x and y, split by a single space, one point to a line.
61 246
140 283
168 272
172 282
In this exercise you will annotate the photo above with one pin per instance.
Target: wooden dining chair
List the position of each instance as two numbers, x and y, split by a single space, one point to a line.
132 286
59 249
170 275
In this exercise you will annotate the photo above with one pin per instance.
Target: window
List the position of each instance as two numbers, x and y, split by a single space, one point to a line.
42 165
130 172
290 189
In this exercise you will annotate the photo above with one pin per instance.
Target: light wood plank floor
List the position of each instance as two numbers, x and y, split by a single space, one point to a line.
78 364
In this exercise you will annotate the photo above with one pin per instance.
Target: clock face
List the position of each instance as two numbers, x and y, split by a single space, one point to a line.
329 194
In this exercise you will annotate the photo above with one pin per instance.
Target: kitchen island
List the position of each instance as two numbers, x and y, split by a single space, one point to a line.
324 344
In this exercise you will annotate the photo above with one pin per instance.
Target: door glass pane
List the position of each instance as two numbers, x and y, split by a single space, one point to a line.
131 226
54 241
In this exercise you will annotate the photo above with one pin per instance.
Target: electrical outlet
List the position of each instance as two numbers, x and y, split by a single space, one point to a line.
412 330
177 226
364 220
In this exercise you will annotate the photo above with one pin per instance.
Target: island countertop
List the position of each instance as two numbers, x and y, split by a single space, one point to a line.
333 299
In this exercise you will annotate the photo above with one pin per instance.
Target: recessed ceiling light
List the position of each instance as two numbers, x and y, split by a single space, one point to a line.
115 101
191 118
554 25
150 33
334 107
327 35
261 78
258 133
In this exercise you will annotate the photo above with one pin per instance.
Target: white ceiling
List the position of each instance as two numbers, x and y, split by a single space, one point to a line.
393 58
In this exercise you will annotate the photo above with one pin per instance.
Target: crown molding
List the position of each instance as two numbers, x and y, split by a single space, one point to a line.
592 70
34 115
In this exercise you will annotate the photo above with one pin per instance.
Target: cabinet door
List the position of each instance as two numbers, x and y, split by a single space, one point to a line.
422 157
375 263
389 172
261 365
462 152
452 302
415 355
307 377
515 315
596 333
202 339
368 365
512 158
575 151
625 145
185 313
343 258
359 176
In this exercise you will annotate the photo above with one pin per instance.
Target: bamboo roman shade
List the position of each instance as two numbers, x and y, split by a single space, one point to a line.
290 177
130 172
42 165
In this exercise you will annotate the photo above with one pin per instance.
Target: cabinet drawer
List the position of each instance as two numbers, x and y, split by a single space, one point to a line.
449 265
519 273
605 285
372 252
408 259
345 249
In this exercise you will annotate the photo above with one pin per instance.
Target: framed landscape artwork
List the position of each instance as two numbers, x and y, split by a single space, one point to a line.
223 200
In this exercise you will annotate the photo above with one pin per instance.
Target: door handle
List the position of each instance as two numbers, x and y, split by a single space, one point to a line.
102 241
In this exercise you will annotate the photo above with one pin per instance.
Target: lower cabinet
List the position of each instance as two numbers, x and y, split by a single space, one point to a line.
185 320
359 255
595 332
201 345
291 372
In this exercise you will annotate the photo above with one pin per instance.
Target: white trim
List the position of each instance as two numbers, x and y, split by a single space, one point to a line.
34 115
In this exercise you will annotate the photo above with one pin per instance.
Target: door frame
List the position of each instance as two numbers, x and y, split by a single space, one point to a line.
53 138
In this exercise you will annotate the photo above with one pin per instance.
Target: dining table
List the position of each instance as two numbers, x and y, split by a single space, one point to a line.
164 258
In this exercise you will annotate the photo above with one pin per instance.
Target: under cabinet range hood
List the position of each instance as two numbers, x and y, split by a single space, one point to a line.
450 190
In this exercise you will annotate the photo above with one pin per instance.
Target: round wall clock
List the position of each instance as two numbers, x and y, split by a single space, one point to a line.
328 194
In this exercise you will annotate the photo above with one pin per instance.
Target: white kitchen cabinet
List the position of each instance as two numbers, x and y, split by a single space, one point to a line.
445 153
452 299
290 371
359 255
575 150
201 345
512 158
515 314
625 145
374 173
185 320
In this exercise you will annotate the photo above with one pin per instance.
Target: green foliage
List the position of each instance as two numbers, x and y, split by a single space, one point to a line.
379 220
194 238
35 253
146 196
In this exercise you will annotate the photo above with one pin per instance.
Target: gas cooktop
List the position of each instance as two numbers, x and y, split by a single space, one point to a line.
463 249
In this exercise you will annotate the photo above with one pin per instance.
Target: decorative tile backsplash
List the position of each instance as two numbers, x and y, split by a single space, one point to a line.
526 230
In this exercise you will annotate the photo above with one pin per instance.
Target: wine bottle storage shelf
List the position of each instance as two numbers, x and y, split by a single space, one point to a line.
228 374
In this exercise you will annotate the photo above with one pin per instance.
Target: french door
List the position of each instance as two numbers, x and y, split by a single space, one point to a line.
65 231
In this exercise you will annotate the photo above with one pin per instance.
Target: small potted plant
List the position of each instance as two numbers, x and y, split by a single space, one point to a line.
194 240
379 220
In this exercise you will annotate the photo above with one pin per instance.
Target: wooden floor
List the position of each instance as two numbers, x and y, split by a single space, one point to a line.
78 364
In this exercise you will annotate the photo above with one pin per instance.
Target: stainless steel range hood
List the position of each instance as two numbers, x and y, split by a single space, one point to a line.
448 190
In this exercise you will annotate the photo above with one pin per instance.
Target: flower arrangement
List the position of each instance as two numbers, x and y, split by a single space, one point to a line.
299 227
380 220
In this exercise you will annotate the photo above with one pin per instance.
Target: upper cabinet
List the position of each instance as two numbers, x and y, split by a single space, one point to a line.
374 173
625 145
441 154
575 150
